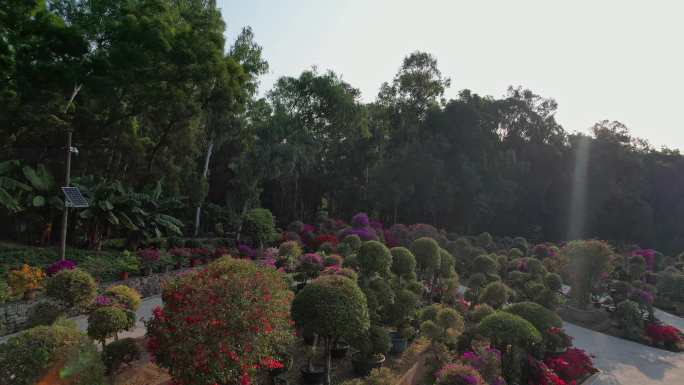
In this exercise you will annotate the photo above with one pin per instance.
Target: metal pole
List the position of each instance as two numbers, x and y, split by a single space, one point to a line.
65 214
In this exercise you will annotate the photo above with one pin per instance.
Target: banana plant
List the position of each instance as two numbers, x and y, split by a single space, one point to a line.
106 202
10 187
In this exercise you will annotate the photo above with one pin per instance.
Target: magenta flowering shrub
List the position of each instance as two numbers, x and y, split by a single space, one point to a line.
149 256
60 265
420 230
544 250
360 220
487 362
102 300
649 256
310 266
459 374
366 233
245 251
398 235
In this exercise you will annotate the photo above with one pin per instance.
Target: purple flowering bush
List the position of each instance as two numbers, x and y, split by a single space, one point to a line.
360 220
310 266
60 265
487 362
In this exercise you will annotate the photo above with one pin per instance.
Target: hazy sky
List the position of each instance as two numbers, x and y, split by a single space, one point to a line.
618 60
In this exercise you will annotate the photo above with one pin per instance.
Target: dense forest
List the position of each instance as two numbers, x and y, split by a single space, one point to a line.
165 110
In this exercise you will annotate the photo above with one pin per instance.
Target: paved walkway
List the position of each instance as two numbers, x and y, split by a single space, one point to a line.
625 362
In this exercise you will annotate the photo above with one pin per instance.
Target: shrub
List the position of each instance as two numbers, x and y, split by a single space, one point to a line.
4 291
521 244
479 312
332 260
485 264
43 314
124 296
343 271
310 266
403 261
446 264
107 321
72 288
379 376
485 241
288 254
665 335
571 365
539 316
476 281
374 258
630 319
354 241
404 307
259 225
374 342
445 327
515 253
504 328
26 279
535 267
588 261
28 356
226 318
117 353
459 374
495 294
556 339
671 286
360 220
553 281
426 251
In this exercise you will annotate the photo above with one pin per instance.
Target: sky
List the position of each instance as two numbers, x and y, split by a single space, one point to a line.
601 59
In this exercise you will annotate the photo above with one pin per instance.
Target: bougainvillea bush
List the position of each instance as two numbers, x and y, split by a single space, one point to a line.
571 365
221 324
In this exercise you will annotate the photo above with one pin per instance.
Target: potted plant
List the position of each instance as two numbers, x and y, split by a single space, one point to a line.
148 260
127 264
339 350
26 281
372 346
333 307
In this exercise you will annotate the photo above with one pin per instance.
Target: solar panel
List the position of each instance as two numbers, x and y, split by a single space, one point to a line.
74 198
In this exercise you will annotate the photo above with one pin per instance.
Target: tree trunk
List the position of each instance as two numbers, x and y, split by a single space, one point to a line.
205 171
327 360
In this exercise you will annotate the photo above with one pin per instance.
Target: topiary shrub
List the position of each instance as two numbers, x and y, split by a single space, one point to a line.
485 264
553 281
332 260
226 319
485 241
504 329
373 343
259 225
426 251
73 288
333 307
354 242
309 267
374 258
539 316
403 308
515 253
442 325
459 374
125 296
495 294
521 244
479 312
588 261
403 261
535 267
117 353
447 263
630 319
43 314
26 358
107 321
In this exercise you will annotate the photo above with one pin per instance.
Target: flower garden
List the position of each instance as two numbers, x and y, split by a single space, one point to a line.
353 304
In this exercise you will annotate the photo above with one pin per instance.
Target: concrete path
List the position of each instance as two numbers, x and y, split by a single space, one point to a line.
625 362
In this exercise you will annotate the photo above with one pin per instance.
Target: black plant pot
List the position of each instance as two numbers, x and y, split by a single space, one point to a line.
339 350
399 343
364 365
312 377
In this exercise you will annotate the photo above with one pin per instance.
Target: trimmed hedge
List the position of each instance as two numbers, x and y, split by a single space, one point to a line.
504 328
539 316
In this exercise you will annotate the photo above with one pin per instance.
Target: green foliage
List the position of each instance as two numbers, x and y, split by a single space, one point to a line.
671 286
447 264
630 319
379 376
426 251
125 296
495 294
485 264
73 288
553 281
374 258
117 353
353 241
375 341
445 327
404 307
331 306
479 312
515 253
43 314
403 261
27 357
4 291
259 225
539 316
508 329
588 260
107 321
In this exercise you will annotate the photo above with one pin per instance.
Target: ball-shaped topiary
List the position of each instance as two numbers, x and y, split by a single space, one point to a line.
446 326
495 294
485 264
515 253
539 316
43 314
107 321
331 306
553 281
354 242
479 312
504 328
117 353
484 240
234 307
404 307
588 261
403 261
447 263
535 267
375 341
73 288
124 296
28 356
459 374
259 225
374 258
427 254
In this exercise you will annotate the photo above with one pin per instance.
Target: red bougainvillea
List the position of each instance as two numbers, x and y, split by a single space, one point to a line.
221 324
571 365
663 334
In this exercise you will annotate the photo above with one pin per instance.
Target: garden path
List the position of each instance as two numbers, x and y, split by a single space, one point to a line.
625 362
